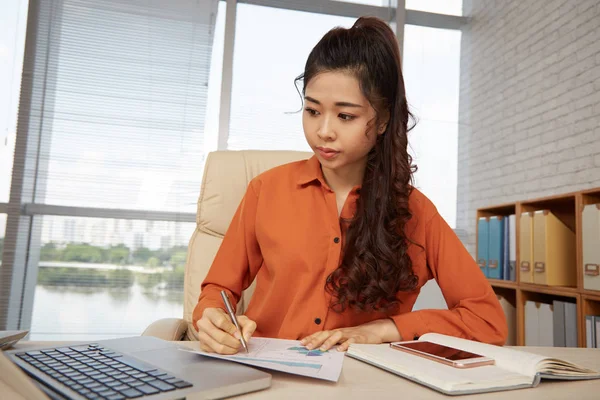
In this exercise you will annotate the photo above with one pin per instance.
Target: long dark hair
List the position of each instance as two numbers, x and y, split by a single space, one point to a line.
375 265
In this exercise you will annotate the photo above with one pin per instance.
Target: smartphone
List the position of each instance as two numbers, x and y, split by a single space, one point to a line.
446 355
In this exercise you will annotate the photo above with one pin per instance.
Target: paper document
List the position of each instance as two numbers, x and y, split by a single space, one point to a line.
287 356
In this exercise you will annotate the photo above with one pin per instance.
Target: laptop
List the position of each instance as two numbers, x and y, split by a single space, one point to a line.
141 367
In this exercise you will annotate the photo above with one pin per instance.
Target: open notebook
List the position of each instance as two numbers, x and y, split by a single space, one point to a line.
514 369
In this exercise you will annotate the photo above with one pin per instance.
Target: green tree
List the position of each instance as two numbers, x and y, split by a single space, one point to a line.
119 254
72 277
174 278
82 253
49 252
153 262
178 259
120 278
149 281
142 255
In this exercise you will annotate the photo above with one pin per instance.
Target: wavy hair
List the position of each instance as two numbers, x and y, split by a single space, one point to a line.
375 264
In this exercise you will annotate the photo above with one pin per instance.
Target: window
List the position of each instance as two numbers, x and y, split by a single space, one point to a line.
379 3
431 73
449 7
124 88
127 86
2 230
13 20
111 277
264 100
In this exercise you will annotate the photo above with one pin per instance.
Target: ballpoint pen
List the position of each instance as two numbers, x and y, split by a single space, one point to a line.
233 318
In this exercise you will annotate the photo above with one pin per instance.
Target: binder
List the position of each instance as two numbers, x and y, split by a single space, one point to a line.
526 247
553 251
505 250
482 244
510 312
559 324
512 247
590 331
531 324
591 246
495 253
571 324
545 321
597 330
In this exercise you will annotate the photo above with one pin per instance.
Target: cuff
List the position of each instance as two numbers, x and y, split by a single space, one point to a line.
410 325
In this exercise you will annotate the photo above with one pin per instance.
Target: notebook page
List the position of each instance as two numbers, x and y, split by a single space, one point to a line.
514 360
443 376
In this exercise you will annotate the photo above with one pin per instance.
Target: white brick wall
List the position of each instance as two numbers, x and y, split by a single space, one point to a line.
529 103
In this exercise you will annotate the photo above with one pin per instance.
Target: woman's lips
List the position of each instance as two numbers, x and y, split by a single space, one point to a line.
327 153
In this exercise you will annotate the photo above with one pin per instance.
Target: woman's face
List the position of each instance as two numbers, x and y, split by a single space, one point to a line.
338 121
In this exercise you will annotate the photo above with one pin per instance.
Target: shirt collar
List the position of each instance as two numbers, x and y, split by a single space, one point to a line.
311 172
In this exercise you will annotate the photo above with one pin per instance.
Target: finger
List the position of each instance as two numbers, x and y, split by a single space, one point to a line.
204 347
221 321
214 346
332 340
318 339
344 346
220 336
308 338
248 327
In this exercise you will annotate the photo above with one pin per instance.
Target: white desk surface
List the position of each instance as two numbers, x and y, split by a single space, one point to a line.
365 382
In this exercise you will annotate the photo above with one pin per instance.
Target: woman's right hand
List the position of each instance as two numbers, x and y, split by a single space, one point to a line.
217 334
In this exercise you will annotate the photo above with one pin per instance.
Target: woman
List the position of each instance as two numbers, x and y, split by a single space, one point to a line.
341 244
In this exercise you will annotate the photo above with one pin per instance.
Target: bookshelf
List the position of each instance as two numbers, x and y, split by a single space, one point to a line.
568 208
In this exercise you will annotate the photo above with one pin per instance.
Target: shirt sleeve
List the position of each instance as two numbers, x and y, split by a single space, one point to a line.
474 311
237 261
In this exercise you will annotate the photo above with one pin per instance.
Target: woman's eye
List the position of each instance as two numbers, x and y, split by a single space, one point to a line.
346 117
311 111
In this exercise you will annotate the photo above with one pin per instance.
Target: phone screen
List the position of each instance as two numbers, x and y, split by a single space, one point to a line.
439 350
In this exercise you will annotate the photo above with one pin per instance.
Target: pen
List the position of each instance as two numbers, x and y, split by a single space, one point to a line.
233 318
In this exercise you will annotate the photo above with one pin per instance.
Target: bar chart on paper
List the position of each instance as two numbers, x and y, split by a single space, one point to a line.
288 356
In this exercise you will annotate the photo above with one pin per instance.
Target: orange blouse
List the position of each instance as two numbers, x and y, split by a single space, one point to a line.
286 233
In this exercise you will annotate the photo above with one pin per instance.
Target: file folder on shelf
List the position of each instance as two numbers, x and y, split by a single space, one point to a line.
482 244
591 246
512 247
495 252
526 247
510 312
553 251
590 331
565 324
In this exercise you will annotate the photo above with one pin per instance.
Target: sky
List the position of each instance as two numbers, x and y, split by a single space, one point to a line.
162 169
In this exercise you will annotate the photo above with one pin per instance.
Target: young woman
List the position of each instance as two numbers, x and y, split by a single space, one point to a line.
341 244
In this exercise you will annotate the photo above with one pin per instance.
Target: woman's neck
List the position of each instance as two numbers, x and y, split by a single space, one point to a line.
342 180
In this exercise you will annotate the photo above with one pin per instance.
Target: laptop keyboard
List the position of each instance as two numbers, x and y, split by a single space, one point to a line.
99 373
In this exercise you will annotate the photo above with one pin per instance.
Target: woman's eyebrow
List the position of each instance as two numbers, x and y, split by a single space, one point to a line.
339 103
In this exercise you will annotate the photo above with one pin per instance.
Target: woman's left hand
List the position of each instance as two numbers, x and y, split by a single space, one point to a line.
374 332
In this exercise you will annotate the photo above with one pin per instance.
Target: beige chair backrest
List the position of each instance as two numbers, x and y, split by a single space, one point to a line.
226 177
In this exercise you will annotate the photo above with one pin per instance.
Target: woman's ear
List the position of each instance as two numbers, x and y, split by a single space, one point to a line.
383 125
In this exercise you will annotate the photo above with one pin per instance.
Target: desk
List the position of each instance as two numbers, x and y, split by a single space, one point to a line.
365 382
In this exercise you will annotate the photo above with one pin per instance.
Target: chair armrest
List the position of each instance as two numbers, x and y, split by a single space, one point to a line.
172 329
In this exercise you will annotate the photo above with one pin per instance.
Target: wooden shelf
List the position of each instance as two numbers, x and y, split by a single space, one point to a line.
502 283
553 290
593 295
567 207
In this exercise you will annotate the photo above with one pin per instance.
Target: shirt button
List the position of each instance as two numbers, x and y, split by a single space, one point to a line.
318 321
336 239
